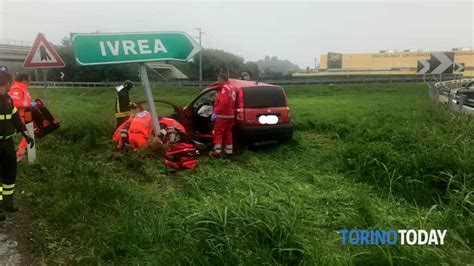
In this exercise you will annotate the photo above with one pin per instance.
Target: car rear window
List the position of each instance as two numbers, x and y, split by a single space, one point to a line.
260 97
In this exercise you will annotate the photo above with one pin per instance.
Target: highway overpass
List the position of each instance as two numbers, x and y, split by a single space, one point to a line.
13 53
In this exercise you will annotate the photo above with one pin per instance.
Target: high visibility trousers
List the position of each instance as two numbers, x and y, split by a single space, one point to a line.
7 166
22 148
222 135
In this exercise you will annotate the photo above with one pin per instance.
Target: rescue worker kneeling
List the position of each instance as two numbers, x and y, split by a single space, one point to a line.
135 132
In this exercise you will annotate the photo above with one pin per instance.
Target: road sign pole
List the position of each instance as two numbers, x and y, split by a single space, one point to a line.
31 152
200 55
45 85
149 98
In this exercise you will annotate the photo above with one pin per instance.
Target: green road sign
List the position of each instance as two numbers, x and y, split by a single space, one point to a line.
116 48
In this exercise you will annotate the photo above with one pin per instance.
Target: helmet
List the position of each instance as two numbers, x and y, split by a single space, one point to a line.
5 78
128 84
244 76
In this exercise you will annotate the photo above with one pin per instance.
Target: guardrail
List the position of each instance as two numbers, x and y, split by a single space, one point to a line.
67 84
296 81
453 100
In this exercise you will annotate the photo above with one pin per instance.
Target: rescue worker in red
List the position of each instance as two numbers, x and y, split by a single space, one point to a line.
122 102
141 130
10 123
223 116
22 101
135 132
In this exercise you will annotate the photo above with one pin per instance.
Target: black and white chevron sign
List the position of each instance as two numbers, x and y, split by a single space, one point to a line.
441 63
423 66
458 67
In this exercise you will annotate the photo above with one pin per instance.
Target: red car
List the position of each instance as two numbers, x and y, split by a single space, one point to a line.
261 115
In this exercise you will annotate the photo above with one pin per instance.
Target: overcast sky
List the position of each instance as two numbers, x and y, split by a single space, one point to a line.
297 31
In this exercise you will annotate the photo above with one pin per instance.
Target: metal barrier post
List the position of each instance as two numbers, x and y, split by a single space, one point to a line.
462 100
450 99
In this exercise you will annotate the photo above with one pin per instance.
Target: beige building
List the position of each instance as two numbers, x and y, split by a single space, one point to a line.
385 63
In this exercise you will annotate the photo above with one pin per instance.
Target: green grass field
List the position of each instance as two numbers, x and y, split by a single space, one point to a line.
379 156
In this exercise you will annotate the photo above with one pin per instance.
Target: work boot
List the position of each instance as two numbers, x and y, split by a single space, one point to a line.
215 155
9 204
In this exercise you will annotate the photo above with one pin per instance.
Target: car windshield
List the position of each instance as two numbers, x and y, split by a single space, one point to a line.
259 97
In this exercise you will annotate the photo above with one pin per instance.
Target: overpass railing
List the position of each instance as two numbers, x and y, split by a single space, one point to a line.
11 42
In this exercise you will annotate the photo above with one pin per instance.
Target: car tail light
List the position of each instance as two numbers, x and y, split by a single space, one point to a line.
240 107
240 115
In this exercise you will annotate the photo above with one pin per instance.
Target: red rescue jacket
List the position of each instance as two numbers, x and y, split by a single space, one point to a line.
225 101
142 124
21 97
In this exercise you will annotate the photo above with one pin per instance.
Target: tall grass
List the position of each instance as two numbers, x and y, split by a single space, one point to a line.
378 156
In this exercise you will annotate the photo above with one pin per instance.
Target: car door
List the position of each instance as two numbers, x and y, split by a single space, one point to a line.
199 123
177 115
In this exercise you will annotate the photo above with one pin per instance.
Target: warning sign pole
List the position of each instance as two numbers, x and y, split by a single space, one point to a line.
45 84
31 152
42 55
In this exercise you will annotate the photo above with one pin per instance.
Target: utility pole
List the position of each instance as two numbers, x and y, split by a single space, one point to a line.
200 53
